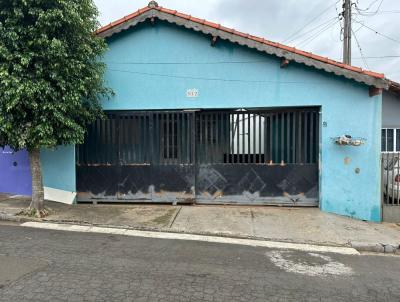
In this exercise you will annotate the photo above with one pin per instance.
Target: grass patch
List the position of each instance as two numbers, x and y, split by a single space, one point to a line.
30 212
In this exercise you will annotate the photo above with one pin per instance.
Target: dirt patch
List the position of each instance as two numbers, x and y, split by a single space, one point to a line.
165 218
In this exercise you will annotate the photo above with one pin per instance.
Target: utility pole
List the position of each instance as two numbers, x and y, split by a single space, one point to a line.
347 32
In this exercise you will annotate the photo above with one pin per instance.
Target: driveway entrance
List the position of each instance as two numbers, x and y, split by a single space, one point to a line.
237 156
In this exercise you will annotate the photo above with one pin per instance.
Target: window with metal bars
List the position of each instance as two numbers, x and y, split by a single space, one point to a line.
390 140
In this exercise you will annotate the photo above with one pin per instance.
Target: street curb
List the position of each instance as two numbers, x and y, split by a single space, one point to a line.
13 218
309 248
176 231
359 246
376 248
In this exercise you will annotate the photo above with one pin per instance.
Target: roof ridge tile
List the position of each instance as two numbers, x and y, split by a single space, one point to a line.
239 33
198 20
182 15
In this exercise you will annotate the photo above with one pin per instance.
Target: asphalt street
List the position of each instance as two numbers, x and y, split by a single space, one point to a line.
47 265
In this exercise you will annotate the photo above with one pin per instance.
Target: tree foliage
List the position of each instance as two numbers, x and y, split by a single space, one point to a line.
51 75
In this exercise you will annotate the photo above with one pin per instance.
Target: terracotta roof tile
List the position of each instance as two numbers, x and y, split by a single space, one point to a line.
241 34
270 43
211 24
168 11
227 29
304 53
184 16
197 20
353 68
133 15
374 74
319 58
257 39
144 9
123 19
285 47
120 21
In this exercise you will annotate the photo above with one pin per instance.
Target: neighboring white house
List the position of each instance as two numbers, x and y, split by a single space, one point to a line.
391 119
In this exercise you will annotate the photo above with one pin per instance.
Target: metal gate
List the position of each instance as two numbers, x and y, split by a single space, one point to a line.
226 156
390 186
257 156
146 156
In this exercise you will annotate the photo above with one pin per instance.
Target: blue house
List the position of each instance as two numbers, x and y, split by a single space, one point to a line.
206 114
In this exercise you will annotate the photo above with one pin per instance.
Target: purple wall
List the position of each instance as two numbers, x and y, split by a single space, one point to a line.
15 174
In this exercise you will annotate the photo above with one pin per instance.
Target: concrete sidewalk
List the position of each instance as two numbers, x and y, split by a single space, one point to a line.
296 225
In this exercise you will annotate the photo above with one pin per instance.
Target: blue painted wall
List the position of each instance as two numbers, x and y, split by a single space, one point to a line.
255 80
59 168
15 172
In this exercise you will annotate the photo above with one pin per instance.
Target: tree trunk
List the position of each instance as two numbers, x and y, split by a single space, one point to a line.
37 202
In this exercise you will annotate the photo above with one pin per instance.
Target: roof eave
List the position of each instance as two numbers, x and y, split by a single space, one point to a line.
245 41
394 87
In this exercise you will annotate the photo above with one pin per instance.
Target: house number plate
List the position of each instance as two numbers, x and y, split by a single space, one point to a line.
192 93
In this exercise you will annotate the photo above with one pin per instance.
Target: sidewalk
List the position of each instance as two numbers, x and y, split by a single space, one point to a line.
295 225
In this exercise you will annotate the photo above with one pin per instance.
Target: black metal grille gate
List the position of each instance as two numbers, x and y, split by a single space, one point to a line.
229 156
146 156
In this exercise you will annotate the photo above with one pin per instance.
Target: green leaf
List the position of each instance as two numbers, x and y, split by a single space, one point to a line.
51 78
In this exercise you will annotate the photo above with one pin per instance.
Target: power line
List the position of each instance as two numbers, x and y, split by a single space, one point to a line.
361 51
382 12
311 21
389 12
317 34
357 30
186 63
378 33
380 57
369 6
311 30
327 26
307 41
379 6
211 79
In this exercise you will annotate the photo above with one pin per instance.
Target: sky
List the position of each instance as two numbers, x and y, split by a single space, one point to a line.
311 25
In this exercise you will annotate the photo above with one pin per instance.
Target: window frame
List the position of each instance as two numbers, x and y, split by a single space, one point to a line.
396 143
